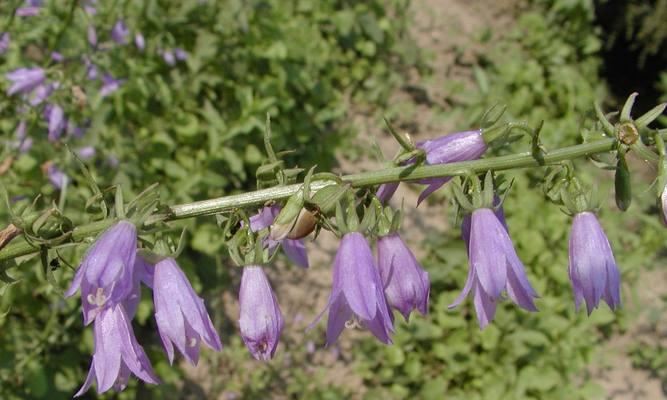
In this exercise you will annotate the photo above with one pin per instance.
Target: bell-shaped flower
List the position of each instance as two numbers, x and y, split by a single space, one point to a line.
109 85
4 42
141 273
24 80
55 117
105 274
139 41
261 321
120 32
494 267
455 147
92 35
592 268
406 284
57 178
357 291
294 249
117 353
181 316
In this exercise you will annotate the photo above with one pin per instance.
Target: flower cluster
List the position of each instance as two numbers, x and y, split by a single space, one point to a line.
110 279
42 88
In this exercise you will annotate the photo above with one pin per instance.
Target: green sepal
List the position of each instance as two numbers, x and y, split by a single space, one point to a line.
627 108
650 116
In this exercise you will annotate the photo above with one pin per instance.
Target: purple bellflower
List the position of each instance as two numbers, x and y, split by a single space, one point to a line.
24 80
22 142
294 248
29 11
142 273
57 177
90 6
493 266
55 117
41 93
105 274
139 41
182 319
406 284
592 268
455 147
357 291
86 153
117 353
261 321
109 85
92 35
4 42
180 54
169 57
120 32
57 56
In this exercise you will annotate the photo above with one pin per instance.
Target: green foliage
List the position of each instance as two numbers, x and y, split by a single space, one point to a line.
546 68
195 128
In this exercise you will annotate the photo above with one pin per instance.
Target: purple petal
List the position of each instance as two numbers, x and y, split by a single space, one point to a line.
296 251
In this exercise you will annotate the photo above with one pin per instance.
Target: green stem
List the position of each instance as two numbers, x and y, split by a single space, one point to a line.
364 179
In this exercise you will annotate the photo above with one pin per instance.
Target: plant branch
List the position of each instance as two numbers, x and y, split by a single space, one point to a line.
364 179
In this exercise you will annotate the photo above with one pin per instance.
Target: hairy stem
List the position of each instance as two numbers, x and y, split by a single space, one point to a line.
364 179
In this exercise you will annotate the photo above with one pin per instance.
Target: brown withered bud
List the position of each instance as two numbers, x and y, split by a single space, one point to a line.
80 97
296 228
7 234
627 133
304 225
6 164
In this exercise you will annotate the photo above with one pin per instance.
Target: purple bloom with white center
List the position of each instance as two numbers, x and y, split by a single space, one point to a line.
120 32
55 117
92 35
25 80
139 41
117 353
261 321
4 42
357 291
294 249
109 85
86 153
592 267
493 267
105 274
181 55
406 284
182 319
57 177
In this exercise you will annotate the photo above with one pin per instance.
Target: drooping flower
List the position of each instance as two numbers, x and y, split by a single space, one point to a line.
28 11
24 80
57 56
181 317
105 274
455 147
141 273
406 284
180 54
55 117
494 267
117 353
92 35
92 72
22 143
386 191
169 57
109 85
57 177
261 321
41 93
592 267
357 291
139 41
4 42
90 7
120 32
294 249
86 153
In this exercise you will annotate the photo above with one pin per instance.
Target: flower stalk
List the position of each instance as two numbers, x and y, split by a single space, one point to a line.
358 180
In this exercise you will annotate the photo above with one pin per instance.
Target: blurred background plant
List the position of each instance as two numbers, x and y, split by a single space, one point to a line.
178 94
